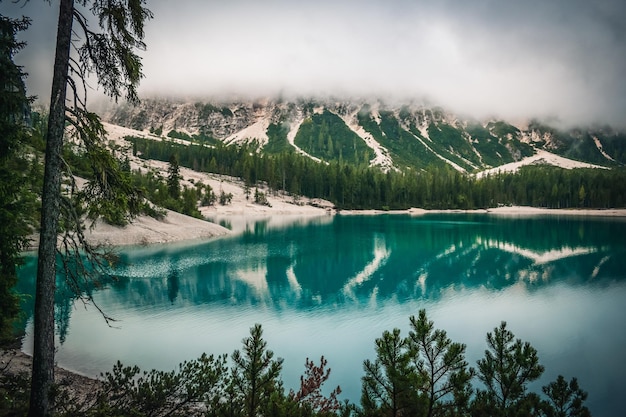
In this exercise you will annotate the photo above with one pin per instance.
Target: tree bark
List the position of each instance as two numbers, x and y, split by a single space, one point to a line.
43 349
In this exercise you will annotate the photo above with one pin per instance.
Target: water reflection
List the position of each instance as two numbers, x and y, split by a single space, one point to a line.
347 260
331 285
173 283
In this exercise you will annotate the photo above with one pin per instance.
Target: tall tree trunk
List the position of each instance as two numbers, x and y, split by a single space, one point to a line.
43 350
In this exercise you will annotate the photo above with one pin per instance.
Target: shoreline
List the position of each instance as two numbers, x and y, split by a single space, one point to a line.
505 211
179 228
14 361
176 227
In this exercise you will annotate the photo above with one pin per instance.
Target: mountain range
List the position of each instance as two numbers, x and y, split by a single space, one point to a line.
396 136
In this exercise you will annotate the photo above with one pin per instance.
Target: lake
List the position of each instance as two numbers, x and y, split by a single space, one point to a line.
331 285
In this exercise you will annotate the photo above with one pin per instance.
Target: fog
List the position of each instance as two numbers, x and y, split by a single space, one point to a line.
563 59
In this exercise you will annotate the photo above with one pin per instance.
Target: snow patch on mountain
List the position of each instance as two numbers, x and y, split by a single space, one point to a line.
423 128
239 122
599 146
117 134
256 132
540 158
291 137
381 158
446 160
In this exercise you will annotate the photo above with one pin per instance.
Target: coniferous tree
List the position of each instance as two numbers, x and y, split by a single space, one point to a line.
173 177
255 373
16 198
565 399
390 384
110 55
189 203
442 366
507 368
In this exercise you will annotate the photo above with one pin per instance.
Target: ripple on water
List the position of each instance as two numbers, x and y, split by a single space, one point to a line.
331 288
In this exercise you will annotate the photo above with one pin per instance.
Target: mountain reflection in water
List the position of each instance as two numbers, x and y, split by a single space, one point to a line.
331 285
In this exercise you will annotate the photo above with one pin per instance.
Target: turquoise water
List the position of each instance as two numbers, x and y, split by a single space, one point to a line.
331 285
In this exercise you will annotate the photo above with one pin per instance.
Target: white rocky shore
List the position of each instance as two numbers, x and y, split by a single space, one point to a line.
177 227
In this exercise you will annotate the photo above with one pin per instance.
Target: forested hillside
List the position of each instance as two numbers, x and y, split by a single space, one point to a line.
399 137
351 186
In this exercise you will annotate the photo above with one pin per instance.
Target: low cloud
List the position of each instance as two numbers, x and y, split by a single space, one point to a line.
559 59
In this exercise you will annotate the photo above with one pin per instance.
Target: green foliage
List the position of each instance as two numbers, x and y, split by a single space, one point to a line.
14 393
209 198
179 135
111 54
173 177
255 375
207 109
157 190
565 399
404 146
225 198
501 129
407 148
18 172
613 144
437 187
390 384
158 131
260 198
190 200
327 137
405 114
277 139
201 138
400 130
195 385
13 101
206 139
491 149
508 135
507 368
452 139
424 374
109 193
580 145
442 366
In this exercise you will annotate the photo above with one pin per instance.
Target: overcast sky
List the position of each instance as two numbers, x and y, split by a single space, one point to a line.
517 59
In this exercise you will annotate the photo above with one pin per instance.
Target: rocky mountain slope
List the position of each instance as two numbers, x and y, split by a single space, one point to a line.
398 136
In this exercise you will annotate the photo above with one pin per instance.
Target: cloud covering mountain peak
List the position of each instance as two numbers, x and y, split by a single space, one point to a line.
562 59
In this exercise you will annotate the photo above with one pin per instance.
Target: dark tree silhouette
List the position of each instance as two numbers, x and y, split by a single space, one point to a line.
565 399
110 55
442 365
507 368
16 197
390 384
255 372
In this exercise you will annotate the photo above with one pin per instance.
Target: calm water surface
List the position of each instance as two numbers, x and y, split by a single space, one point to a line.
331 285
